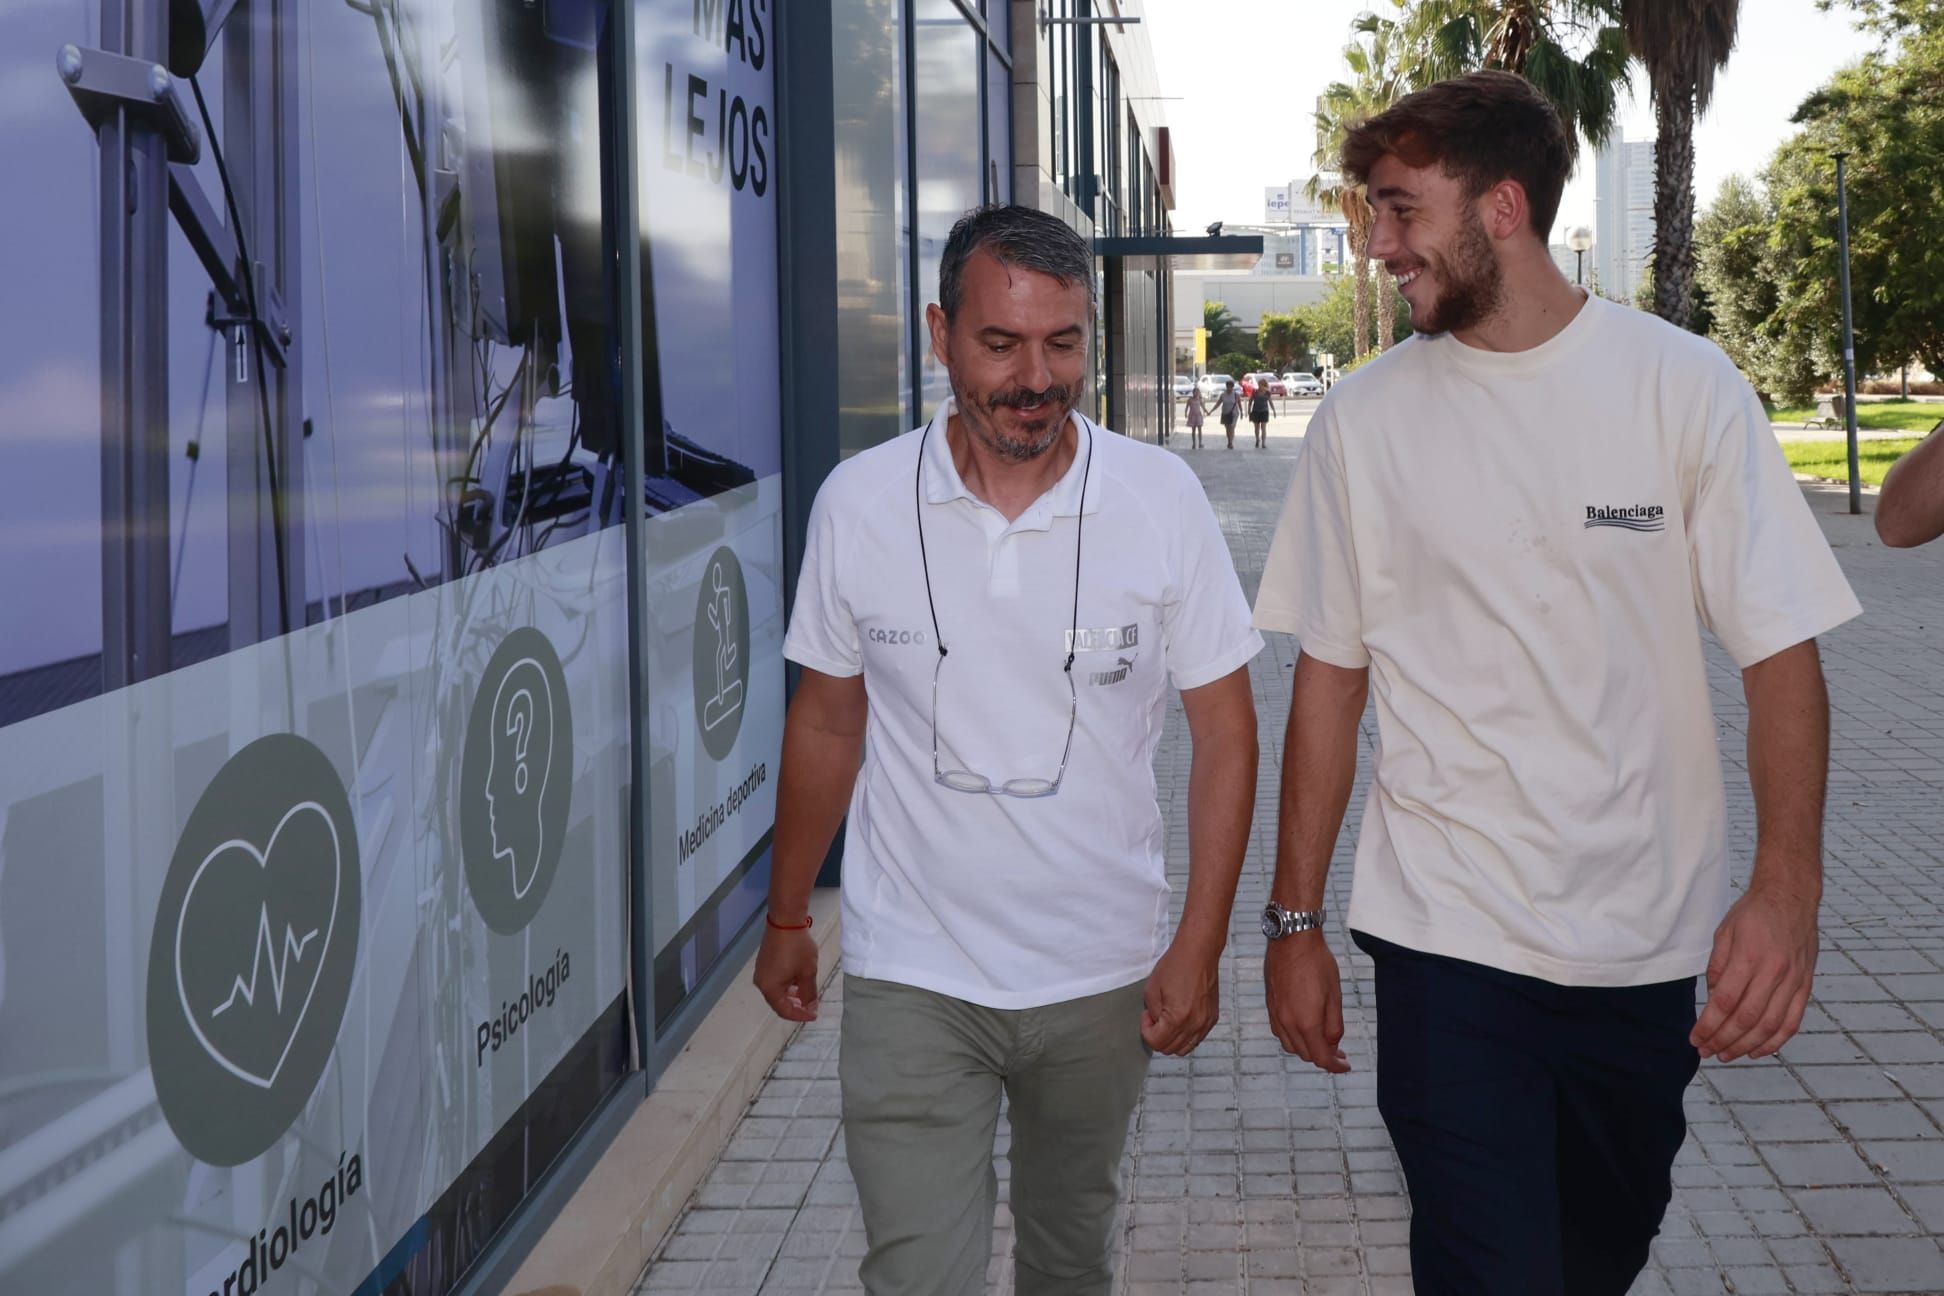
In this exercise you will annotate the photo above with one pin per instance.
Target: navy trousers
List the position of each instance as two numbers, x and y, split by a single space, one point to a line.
1537 1123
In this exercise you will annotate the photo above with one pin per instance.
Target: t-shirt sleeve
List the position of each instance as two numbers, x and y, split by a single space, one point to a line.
823 633
1764 576
1205 630
1309 583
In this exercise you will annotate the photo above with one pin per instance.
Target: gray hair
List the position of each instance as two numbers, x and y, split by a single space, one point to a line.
1014 236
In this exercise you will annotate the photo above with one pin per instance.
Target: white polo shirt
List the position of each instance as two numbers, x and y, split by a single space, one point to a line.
1523 548
1005 901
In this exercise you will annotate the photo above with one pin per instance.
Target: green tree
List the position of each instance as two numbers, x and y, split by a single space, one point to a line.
1681 43
1336 112
1736 271
1225 332
1330 323
1234 363
1574 51
1643 295
1374 58
1283 339
1891 17
1888 112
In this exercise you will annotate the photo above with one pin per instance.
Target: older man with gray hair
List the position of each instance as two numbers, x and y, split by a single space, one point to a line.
991 612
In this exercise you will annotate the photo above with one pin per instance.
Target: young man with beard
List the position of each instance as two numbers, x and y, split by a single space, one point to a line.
1507 528
991 611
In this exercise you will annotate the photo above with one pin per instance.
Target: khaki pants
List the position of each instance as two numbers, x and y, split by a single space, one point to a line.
921 1075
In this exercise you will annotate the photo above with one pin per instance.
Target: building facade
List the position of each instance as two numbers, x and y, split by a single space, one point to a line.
1094 148
414 433
1300 236
1298 264
1623 205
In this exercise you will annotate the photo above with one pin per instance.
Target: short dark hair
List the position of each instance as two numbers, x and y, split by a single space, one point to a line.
1014 236
1480 129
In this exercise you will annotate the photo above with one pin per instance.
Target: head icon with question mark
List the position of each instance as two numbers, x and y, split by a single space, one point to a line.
521 754
516 779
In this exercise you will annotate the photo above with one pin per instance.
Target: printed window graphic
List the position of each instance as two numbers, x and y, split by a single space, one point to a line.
516 780
254 948
721 652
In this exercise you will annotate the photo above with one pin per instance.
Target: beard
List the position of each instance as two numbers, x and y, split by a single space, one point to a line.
1040 433
1471 283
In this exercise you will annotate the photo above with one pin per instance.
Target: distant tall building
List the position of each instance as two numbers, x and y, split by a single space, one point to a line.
1567 260
1623 206
1300 235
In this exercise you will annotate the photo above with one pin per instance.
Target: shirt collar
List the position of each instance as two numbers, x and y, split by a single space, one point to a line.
1063 499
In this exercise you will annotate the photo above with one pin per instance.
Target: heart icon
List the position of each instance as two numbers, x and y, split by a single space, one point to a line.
255 928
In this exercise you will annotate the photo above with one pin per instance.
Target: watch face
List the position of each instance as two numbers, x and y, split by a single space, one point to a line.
1271 924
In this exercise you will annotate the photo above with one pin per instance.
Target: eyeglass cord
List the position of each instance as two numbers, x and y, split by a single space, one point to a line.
924 561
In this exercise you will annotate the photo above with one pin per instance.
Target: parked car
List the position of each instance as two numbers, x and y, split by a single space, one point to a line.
1212 384
1273 381
1183 384
1303 384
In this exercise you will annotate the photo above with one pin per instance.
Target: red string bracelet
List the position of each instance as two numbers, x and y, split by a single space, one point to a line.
802 926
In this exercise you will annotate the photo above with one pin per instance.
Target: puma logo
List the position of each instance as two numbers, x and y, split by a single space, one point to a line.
1122 668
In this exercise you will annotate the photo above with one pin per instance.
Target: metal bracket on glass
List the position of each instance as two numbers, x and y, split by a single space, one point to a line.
102 82
214 247
271 328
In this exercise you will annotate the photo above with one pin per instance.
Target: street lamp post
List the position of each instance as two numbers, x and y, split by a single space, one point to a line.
1849 337
1579 238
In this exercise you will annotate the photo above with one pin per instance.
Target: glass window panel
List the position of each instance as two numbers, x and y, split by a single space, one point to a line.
873 236
712 547
999 181
331 656
50 379
950 175
1071 114
1060 69
1099 123
999 22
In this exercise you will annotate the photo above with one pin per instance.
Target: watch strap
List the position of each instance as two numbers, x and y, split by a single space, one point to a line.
1291 921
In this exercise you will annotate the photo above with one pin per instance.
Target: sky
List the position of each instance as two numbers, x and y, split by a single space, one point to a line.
1248 73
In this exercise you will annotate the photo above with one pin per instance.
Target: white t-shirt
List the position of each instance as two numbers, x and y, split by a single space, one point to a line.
1518 546
1005 901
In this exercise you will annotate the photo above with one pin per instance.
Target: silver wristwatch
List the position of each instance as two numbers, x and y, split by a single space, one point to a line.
1278 922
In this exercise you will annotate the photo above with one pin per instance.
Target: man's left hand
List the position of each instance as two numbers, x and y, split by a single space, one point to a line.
1183 1000
1759 977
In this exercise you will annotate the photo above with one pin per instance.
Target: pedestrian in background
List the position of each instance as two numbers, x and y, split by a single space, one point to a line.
1231 404
1259 412
1509 524
1196 413
991 612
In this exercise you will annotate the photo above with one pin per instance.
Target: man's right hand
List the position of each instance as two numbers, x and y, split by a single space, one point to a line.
1305 995
786 973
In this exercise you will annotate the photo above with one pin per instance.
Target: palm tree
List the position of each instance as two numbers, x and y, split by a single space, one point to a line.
1681 43
1224 330
1574 51
1329 189
1378 84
